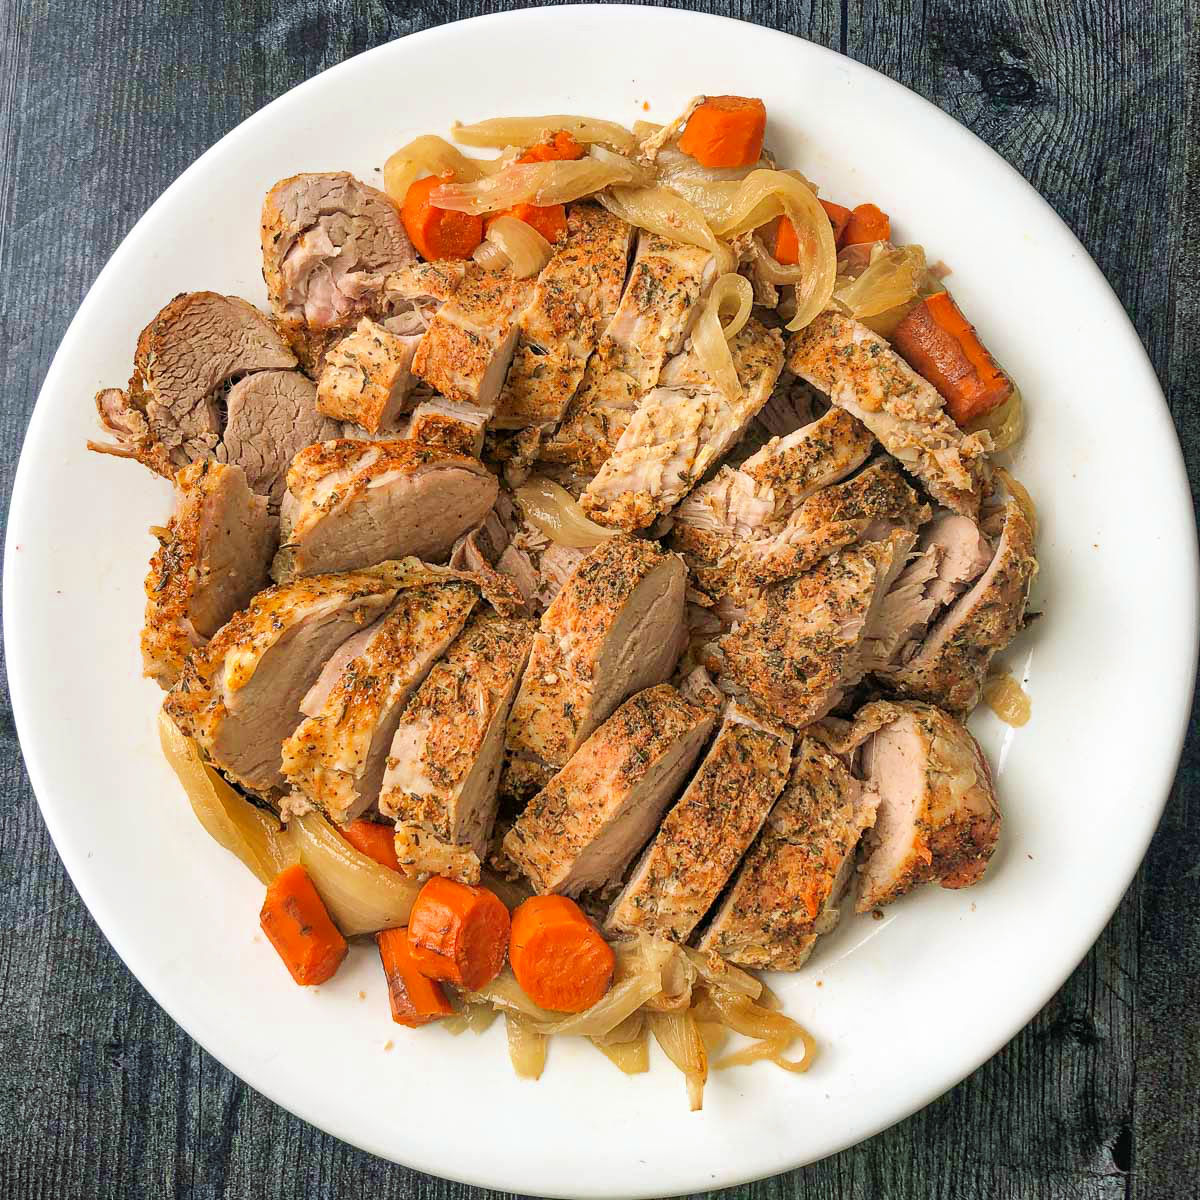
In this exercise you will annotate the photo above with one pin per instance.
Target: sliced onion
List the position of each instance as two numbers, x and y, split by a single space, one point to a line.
680 1040
507 995
1021 495
668 214
362 896
531 183
1006 422
632 1057
655 141
429 155
710 339
526 1047
254 836
518 244
773 1031
627 1031
489 256
552 509
892 279
1007 699
639 176
528 131
724 975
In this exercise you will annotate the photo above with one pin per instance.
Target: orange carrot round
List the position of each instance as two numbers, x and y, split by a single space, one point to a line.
458 933
299 927
415 999
559 147
376 841
839 217
726 131
550 220
558 956
866 224
438 232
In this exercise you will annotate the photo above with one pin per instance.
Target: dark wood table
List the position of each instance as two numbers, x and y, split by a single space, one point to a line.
1096 102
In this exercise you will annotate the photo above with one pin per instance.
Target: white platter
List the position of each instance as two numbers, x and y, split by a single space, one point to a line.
903 1007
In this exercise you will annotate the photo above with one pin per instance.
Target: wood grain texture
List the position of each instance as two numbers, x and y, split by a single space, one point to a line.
104 102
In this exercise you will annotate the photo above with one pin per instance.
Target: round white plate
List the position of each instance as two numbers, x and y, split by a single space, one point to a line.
903 1007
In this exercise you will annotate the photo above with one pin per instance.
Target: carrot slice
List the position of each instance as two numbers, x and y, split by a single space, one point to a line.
374 840
438 232
787 244
939 343
839 217
458 933
558 956
559 147
299 927
415 998
549 220
726 131
866 224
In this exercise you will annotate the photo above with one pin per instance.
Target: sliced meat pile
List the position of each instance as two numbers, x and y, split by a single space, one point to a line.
367 377
337 756
443 767
329 242
615 628
580 832
351 504
212 557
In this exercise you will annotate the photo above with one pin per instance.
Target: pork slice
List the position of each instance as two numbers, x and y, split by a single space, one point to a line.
679 430
272 416
456 427
353 503
786 893
443 768
938 817
367 377
336 758
212 557
798 650
615 628
949 667
861 373
240 695
703 837
582 829
329 242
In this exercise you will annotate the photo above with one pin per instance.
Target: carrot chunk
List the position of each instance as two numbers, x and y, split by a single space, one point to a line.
839 217
866 224
299 927
415 998
438 232
458 933
374 840
726 131
559 147
787 244
549 220
558 956
939 343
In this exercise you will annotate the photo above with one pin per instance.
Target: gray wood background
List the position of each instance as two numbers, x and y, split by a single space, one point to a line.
104 102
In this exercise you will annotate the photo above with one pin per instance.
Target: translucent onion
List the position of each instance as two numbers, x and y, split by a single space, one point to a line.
677 1034
254 836
520 245
506 994
429 155
639 175
552 509
724 975
362 896
774 1032
532 183
668 214
892 278
632 1057
710 339
627 1031
1007 699
526 1047
1021 495
489 256
528 131
1006 422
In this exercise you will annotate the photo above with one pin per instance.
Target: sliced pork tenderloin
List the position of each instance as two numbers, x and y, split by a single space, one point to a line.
367 377
456 427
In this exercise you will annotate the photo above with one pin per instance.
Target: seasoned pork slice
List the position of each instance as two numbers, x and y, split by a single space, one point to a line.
861 373
574 299
680 428
353 503
456 427
211 558
367 377
329 242
582 829
662 299
171 414
708 830
615 628
443 768
337 756
239 696
786 893
938 816
422 287
741 506
467 349
949 666
271 417
798 651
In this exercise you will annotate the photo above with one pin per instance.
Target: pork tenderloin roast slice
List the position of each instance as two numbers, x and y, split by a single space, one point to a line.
938 818
272 416
352 503
367 377
171 414
240 695
615 628
337 757
948 668
452 426
443 768
582 829
212 557
787 890
703 837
